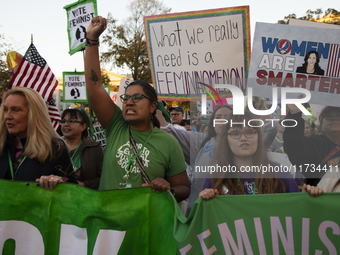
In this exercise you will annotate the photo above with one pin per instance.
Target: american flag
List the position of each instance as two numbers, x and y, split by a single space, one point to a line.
54 114
34 72
333 68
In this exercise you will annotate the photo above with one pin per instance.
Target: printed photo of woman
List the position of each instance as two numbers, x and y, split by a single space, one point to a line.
311 64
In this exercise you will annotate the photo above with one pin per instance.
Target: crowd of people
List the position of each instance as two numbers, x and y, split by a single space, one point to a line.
144 150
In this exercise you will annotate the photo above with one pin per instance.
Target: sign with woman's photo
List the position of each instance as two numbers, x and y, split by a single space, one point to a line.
296 57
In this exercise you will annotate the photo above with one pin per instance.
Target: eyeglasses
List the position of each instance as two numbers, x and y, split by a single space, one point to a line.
135 98
247 134
70 122
330 116
174 114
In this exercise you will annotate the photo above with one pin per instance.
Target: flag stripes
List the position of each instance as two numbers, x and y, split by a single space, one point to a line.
33 72
333 68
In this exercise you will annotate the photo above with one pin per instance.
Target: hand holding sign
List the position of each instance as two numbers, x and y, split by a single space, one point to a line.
293 108
96 28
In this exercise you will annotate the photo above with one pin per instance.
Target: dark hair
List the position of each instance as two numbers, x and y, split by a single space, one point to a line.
150 92
316 66
78 114
311 52
211 129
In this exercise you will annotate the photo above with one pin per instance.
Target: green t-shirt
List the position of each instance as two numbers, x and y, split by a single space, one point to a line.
162 155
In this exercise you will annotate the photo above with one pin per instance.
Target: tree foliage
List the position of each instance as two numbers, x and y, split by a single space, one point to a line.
4 77
105 78
330 16
127 43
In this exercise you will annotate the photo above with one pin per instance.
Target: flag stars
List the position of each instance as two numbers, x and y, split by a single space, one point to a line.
34 57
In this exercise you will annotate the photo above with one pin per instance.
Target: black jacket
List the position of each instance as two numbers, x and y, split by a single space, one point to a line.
31 169
312 150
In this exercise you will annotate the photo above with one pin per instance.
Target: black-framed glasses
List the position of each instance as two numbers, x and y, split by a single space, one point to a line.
135 98
330 116
70 122
238 134
174 114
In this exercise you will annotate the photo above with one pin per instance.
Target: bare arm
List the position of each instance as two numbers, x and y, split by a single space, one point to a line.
179 184
99 99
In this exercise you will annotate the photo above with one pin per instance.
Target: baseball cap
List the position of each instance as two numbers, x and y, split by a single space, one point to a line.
177 108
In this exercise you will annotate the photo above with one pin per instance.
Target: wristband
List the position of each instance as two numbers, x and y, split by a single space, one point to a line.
88 43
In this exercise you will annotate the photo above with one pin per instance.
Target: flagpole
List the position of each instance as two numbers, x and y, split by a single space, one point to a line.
90 108
31 38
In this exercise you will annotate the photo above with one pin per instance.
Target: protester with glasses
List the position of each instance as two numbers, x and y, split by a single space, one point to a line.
86 155
155 151
176 114
313 155
30 149
242 151
199 148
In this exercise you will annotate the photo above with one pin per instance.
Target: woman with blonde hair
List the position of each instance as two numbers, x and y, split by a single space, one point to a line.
241 150
30 149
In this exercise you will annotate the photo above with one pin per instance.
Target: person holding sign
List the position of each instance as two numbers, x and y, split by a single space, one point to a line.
137 152
30 148
242 151
199 148
314 155
86 155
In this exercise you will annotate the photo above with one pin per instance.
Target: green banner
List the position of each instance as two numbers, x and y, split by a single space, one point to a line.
75 220
293 223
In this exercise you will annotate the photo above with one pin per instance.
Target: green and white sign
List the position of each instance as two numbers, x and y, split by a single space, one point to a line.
74 87
292 223
79 15
76 220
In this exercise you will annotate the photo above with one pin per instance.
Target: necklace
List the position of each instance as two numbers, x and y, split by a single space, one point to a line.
76 162
11 166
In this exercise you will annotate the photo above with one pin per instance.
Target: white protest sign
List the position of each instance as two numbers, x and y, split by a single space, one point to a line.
114 96
210 107
122 86
74 87
188 49
296 57
79 16
316 110
99 135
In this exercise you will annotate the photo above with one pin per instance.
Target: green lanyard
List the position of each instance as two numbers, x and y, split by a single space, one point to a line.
11 166
135 156
253 188
76 162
